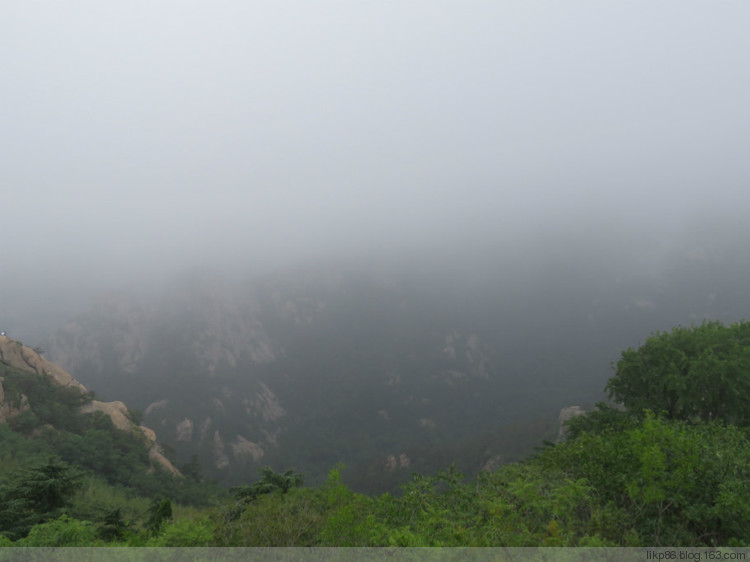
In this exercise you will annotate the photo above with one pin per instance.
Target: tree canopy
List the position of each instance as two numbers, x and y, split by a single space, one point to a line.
699 373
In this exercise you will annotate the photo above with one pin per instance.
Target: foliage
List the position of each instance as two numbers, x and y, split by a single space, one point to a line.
689 373
159 511
673 483
269 483
136 416
54 427
678 477
292 519
113 526
192 469
62 531
36 494
49 403
185 533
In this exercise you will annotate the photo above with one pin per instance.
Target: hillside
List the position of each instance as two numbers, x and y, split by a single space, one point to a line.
623 476
393 366
38 397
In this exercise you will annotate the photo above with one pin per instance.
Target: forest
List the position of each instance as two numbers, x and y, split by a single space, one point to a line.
665 462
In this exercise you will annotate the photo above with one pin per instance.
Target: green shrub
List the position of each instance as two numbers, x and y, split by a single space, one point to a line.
185 533
62 531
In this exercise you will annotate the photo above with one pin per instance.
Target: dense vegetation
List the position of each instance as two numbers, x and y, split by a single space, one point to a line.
670 465
52 457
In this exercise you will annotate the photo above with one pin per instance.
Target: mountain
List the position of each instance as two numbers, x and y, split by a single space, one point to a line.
391 366
22 366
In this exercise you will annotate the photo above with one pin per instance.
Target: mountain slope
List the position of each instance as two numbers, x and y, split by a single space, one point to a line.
394 366
21 363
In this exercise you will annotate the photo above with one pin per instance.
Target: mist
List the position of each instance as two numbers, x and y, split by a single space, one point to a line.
147 138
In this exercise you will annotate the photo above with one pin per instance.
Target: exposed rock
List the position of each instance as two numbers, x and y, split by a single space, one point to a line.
392 463
149 433
264 405
184 430
23 358
156 456
205 428
474 351
449 348
9 410
244 447
215 323
476 354
153 406
117 411
220 459
271 438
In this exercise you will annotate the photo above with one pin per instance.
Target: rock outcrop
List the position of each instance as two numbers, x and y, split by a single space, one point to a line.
17 355
23 358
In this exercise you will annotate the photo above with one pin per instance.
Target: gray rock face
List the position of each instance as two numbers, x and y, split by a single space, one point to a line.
216 325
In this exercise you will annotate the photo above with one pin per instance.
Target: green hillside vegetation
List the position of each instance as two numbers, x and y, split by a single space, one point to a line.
57 462
668 463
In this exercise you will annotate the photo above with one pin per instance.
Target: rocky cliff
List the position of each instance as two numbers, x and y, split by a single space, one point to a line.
16 355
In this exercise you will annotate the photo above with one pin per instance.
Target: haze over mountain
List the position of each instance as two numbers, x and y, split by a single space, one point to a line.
386 365
359 188
146 138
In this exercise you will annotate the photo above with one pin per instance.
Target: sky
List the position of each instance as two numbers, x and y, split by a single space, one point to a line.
146 136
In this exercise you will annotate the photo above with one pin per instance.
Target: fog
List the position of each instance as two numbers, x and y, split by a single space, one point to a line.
143 138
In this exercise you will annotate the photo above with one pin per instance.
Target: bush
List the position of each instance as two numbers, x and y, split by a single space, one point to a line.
62 531
185 533
675 483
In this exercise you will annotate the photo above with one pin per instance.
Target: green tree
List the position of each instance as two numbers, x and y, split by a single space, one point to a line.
185 533
672 482
62 531
699 373
269 483
35 495
292 519
113 526
192 469
159 511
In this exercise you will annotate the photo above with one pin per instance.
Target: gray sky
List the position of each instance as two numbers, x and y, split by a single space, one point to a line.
142 132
